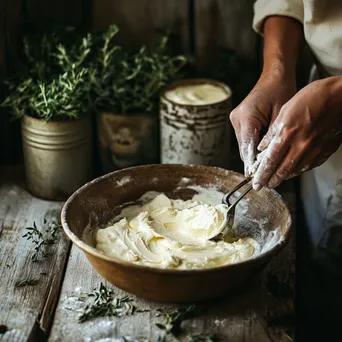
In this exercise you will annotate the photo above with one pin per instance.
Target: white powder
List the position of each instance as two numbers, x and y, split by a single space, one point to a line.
124 180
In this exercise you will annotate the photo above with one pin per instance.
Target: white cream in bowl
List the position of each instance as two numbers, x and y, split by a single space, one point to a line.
167 233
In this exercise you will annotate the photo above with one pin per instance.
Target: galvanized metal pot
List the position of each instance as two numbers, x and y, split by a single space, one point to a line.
127 140
195 134
57 156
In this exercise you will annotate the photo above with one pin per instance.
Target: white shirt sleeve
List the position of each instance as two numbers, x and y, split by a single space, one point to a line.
266 8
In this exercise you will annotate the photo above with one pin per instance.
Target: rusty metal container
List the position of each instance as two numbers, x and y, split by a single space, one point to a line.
127 140
195 134
57 156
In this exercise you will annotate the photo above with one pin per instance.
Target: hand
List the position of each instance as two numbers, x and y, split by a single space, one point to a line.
258 110
307 131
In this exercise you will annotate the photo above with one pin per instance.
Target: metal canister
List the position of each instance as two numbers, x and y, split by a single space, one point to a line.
195 134
57 156
127 140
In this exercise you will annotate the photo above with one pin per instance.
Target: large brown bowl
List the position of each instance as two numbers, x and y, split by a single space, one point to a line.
262 215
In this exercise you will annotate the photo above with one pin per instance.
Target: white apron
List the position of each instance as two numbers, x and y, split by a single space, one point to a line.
321 192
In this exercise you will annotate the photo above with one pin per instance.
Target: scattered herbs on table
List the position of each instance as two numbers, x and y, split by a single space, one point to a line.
173 320
41 238
27 282
105 304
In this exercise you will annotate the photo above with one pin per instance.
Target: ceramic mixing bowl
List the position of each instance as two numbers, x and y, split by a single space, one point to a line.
263 215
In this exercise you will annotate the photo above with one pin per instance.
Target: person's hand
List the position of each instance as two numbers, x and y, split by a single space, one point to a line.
307 131
259 109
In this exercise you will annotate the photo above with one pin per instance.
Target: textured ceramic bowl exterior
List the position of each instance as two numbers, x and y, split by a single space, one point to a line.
99 201
195 134
57 156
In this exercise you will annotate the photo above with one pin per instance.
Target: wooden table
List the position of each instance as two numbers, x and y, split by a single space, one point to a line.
49 310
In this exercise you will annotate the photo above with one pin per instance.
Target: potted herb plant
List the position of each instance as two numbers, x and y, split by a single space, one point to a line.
124 87
50 96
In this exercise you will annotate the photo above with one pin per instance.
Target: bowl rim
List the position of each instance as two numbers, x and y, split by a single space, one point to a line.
97 254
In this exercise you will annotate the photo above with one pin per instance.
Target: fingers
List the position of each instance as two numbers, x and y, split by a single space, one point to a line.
265 141
250 133
274 129
314 158
274 154
286 169
298 161
247 130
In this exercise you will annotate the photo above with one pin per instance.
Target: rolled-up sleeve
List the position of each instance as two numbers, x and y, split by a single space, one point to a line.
266 8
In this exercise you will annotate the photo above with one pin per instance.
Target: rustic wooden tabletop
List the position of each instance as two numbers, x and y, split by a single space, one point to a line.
42 300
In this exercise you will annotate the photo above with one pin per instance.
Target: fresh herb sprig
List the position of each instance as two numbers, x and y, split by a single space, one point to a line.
173 320
129 81
41 238
105 304
53 83
27 282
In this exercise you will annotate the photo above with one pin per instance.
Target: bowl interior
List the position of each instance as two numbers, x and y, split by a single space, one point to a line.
262 215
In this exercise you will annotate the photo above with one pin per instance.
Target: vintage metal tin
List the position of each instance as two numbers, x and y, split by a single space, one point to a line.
195 134
127 140
57 156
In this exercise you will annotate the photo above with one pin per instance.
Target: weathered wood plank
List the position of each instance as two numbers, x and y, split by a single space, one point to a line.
27 311
245 316
220 23
233 318
138 20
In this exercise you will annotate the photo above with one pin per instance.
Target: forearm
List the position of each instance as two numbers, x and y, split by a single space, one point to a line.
334 84
283 41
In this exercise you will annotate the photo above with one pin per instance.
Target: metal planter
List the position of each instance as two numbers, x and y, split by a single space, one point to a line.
57 156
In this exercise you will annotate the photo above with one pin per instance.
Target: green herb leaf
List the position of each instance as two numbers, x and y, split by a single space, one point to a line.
41 238
105 304
174 318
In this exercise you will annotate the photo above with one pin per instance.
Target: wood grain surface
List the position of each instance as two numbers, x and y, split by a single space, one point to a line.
27 311
263 311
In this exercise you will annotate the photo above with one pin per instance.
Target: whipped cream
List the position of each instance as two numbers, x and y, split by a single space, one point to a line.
169 233
197 94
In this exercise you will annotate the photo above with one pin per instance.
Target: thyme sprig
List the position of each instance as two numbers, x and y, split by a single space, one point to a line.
105 304
41 238
130 80
173 320
27 282
66 75
53 81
